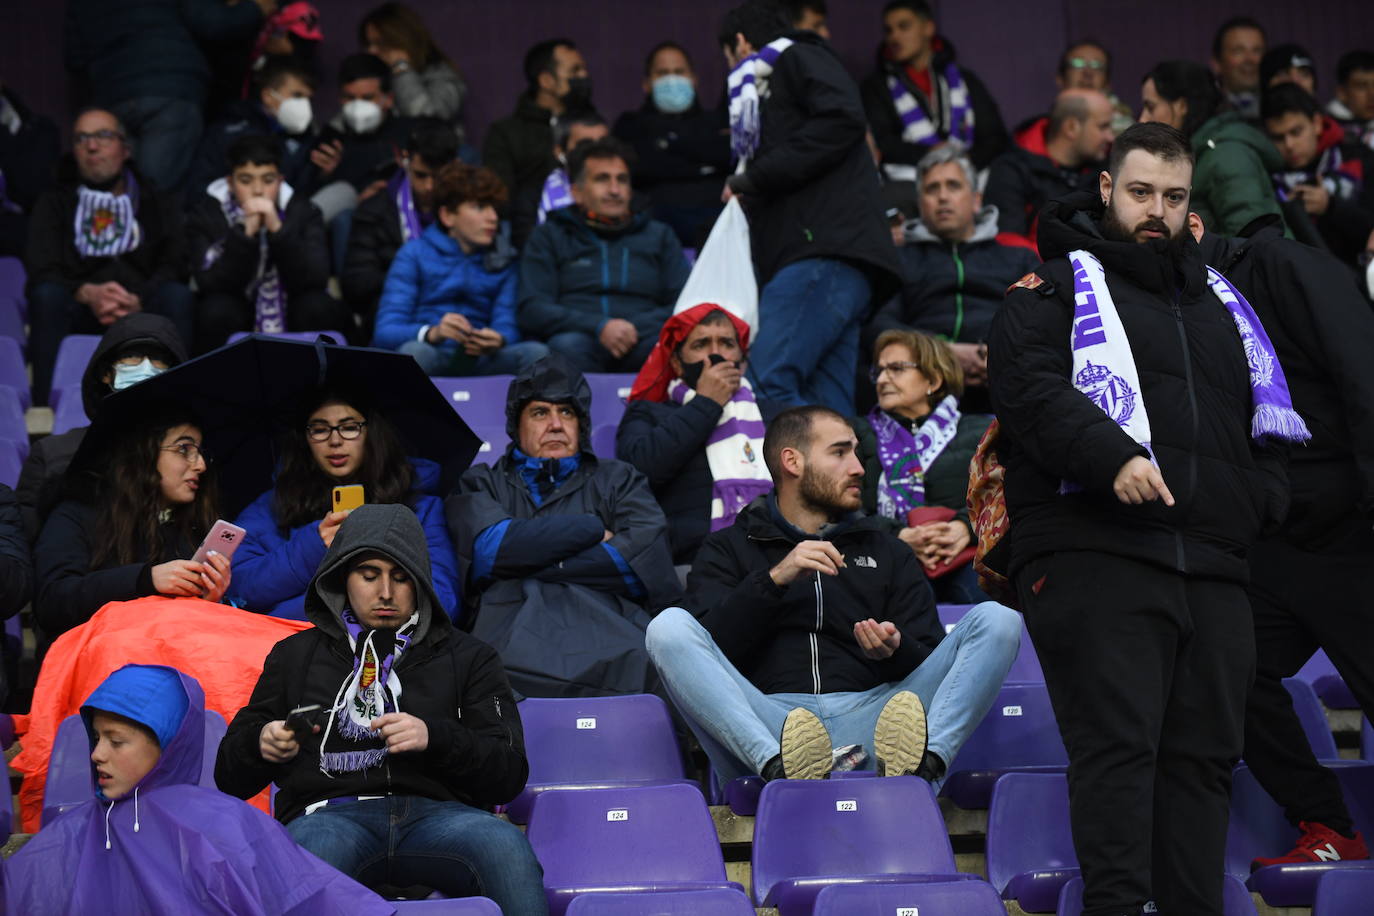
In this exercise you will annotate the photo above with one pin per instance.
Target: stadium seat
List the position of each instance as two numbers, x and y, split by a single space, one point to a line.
72 356
609 391
1313 718
12 425
215 727
718 902
1258 828
456 906
1030 852
494 442
1344 892
1025 669
641 838
336 337
596 742
603 441
1327 681
1018 735
70 411
812 833
1235 899
11 462
937 896
12 322
12 371
480 400
12 279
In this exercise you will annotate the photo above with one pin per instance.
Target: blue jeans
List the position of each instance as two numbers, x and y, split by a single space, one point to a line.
808 346
166 132
511 359
739 725
587 354
406 840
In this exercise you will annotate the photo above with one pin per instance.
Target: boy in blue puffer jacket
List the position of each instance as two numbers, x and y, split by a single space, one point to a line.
449 298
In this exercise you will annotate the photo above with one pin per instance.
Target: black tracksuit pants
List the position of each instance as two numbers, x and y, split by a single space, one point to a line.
1304 601
1148 672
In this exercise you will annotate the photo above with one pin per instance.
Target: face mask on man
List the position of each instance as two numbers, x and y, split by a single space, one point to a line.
126 375
362 116
691 372
579 94
673 93
295 115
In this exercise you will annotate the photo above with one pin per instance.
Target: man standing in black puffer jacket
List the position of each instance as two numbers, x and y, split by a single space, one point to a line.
1137 479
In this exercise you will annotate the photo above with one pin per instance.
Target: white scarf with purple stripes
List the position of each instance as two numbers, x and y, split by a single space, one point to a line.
748 86
734 452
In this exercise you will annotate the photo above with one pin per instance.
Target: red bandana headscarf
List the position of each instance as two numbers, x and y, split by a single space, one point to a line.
652 382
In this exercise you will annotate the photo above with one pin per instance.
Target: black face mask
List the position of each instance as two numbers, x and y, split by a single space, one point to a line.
579 94
691 372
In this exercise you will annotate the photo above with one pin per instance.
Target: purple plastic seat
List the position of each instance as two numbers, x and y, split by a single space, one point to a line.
72 356
12 322
812 833
455 906
215 727
1030 850
12 279
603 441
641 838
12 370
70 411
11 463
609 391
336 337
1344 892
596 742
1258 828
1235 899
1313 718
1327 681
1026 667
720 901
12 425
494 442
1018 735
938 896
479 399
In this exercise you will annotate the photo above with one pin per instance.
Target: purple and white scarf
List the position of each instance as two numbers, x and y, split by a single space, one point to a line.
106 223
348 742
748 85
1104 367
906 456
956 120
734 452
1327 172
411 222
265 289
556 195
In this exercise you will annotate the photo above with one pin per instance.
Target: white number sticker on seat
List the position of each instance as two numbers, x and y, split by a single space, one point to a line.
908 911
1011 710
846 804
618 814
588 722
462 395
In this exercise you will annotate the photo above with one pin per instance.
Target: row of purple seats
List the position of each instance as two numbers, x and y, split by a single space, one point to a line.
1327 681
1344 892
72 356
12 374
1026 667
13 309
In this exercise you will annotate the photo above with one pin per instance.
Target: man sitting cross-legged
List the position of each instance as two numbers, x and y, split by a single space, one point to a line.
815 624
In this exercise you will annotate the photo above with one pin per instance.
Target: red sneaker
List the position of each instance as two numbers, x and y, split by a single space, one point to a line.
1318 843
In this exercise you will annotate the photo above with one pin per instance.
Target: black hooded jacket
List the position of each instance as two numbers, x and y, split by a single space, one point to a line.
1323 332
800 638
452 681
299 249
1193 372
40 480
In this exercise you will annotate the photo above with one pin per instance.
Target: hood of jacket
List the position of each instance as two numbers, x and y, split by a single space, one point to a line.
1229 126
152 331
392 530
167 702
552 379
763 520
984 229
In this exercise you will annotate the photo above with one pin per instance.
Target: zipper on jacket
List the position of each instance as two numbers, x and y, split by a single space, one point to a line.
605 277
958 294
1192 406
815 648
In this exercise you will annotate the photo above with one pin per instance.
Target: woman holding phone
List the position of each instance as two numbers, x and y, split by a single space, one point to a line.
121 533
337 441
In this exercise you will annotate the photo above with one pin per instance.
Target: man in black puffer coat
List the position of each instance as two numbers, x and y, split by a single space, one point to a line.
1305 581
1131 574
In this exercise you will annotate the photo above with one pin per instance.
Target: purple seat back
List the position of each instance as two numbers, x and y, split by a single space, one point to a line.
1019 733
12 322
837 828
12 369
11 463
603 441
1342 892
595 742
1235 899
456 906
1327 681
12 279
626 838
719 901
966 898
12 425
1313 718
1030 852
70 412
215 727
72 356
335 337
494 442
609 391
480 399
69 769
1026 667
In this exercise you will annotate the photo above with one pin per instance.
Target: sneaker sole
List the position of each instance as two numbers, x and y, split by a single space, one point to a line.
899 737
806 752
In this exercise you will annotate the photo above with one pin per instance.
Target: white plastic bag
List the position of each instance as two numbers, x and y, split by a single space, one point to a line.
724 271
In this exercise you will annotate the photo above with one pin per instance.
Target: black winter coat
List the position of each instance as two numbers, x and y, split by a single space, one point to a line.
519 149
299 249
1021 182
26 160
682 159
244 118
373 241
811 189
1323 332
366 157
800 638
1195 382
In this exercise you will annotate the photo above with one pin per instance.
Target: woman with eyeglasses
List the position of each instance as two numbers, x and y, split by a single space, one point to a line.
128 530
338 440
915 446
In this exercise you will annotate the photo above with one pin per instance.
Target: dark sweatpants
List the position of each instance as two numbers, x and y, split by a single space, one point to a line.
218 315
1304 601
1148 672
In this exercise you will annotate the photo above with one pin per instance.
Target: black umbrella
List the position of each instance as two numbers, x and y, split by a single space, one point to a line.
243 395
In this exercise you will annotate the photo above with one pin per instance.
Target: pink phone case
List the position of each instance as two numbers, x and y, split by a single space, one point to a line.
224 537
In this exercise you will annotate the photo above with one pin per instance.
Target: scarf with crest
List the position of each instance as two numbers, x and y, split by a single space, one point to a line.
372 688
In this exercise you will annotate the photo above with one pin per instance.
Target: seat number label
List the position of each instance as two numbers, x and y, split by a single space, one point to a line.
846 804
588 722
462 395
908 911
1011 710
618 814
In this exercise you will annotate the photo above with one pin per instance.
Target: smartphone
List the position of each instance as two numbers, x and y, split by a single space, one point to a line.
302 719
224 538
348 497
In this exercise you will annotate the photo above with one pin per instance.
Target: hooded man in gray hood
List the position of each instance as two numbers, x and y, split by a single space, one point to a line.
565 554
413 729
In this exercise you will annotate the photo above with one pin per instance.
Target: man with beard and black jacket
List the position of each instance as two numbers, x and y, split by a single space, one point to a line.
413 736
136 347
1138 475
1306 588
808 628
564 555
822 248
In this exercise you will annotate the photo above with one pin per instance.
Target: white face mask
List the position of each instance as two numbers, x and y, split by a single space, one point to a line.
362 116
124 376
295 115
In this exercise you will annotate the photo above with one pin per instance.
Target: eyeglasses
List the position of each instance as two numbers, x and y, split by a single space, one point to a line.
1083 63
189 452
892 369
322 432
100 136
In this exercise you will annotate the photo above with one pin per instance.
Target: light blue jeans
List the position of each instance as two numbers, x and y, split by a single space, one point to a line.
739 725
511 359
